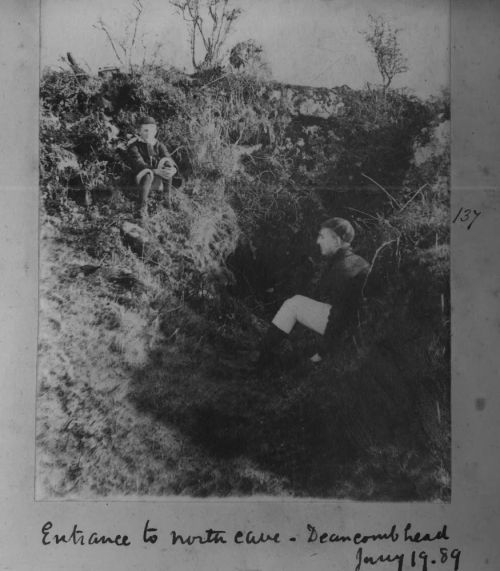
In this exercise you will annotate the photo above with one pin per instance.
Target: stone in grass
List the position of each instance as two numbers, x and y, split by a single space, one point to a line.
140 241
136 237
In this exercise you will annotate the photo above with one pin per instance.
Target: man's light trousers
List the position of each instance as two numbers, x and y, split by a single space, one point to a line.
309 312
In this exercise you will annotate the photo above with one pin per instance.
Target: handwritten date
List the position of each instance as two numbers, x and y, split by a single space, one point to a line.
421 560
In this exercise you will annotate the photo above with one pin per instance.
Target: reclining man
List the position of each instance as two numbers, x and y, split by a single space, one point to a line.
337 295
151 164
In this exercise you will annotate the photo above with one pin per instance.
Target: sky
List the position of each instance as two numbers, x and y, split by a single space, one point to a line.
307 42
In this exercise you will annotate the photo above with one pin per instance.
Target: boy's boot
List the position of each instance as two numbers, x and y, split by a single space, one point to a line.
142 212
146 183
167 188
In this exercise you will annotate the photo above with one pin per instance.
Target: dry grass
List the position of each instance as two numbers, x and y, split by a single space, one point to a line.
91 440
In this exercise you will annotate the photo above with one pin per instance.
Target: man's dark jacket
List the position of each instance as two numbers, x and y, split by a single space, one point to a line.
341 284
142 155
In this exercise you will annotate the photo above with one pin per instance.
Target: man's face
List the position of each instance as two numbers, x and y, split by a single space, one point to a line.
147 132
328 242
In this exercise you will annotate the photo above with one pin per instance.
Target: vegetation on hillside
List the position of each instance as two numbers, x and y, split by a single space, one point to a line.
144 383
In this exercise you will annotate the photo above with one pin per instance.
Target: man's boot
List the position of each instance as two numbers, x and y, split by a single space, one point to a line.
269 348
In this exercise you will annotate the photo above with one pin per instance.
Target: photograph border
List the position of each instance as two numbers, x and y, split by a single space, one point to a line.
473 515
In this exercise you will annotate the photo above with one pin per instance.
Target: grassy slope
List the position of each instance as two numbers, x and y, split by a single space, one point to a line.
133 401
91 440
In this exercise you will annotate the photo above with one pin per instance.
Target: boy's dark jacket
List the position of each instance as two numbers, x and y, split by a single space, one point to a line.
142 155
341 284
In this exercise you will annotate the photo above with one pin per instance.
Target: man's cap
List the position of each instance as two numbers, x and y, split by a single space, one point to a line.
147 121
343 228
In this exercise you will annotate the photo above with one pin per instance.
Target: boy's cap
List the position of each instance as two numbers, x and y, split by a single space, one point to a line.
343 228
147 121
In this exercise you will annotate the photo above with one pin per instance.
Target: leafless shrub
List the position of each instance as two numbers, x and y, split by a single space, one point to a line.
383 40
209 22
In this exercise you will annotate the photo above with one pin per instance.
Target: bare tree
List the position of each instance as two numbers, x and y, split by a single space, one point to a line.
209 23
383 40
125 44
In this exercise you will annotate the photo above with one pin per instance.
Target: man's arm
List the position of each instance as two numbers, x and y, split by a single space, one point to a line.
339 320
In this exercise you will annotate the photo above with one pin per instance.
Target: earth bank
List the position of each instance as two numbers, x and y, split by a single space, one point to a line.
146 332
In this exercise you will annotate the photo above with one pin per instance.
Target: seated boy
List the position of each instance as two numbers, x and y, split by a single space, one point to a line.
151 164
337 294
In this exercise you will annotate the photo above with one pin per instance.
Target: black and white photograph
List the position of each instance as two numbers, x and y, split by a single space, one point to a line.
244 250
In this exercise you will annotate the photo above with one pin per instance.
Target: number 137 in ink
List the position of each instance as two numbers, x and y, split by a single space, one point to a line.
466 215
